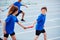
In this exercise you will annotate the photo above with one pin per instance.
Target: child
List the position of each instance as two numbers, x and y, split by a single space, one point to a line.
18 4
10 22
40 24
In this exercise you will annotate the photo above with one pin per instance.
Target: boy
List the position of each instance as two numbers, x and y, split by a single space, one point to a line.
10 22
40 24
18 4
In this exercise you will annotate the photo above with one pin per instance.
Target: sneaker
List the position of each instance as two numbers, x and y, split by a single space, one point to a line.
22 20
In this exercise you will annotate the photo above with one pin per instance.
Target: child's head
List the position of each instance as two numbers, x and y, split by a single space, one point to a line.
44 10
19 0
13 10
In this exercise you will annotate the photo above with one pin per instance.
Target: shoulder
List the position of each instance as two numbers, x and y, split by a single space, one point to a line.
40 15
15 2
10 16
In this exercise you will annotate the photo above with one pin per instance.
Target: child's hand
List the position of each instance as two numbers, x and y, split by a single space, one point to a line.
30 26
4 31
25 28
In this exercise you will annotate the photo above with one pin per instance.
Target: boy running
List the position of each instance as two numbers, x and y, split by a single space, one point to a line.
18 4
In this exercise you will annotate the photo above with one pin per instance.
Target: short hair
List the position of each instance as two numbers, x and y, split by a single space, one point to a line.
44 8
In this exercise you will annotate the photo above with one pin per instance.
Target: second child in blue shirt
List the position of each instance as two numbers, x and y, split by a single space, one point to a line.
40 24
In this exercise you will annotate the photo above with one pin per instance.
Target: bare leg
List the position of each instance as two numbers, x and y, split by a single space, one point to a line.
13 37
4 38
45 37
36 37
23 15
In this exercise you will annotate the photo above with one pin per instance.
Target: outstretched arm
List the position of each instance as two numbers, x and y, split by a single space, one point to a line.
25 5
34 22
4 24
21 25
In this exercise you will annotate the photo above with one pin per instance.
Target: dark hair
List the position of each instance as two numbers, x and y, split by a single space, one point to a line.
12 10
44 8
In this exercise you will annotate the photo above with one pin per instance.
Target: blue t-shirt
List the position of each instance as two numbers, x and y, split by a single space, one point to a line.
40 22
10 22
18 4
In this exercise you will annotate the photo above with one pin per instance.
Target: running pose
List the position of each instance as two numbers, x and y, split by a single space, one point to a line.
9 24
18 4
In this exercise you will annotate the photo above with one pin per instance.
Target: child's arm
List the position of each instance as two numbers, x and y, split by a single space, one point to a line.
34 22
4 31
21 25
25 5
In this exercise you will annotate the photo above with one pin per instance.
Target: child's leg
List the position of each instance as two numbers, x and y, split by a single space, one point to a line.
22 19
13 36
45 37
5 36
23 14
37 34
36 37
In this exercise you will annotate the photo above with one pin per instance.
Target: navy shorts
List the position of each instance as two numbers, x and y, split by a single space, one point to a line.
19 12
6 35
38 32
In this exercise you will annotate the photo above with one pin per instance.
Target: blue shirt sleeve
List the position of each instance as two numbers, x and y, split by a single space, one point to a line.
39 18
21 4
17 3
8 19
17 20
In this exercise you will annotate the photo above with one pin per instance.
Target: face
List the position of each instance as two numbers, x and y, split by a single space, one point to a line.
43 11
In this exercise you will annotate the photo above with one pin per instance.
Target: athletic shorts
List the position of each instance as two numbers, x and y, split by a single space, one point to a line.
19 12
38 32
6 35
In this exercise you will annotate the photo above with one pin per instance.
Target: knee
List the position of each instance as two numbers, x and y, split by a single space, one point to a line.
23 13
4 38
45 35
36 38
14 39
